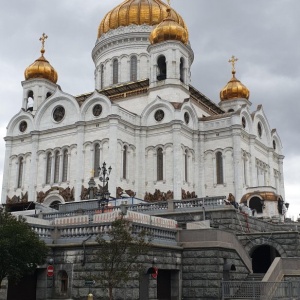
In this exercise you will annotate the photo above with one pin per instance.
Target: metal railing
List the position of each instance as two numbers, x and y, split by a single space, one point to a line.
285 290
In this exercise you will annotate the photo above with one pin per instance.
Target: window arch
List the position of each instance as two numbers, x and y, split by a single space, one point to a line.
96 159
56 166
162 68
65 166
125 151
101 77
115 71
219 168
20 172
182 69
48 168
160 164
133 68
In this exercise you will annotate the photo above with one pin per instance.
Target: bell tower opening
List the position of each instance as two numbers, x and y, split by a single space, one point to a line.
162 68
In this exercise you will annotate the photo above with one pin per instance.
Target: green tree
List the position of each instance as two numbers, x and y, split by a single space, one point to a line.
119 250
20 248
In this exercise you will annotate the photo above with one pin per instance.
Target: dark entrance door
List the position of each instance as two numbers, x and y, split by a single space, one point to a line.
24 290
262 258
164 285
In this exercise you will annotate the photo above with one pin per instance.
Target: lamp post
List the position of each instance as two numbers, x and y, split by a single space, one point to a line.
103 196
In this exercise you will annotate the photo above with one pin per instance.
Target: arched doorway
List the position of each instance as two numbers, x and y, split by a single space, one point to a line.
262 258
257 204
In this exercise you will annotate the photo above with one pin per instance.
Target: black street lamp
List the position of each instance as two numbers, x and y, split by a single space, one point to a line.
103 195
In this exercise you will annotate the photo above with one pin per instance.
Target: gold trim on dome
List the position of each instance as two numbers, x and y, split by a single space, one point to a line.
234 89
138 12
267 196
41 68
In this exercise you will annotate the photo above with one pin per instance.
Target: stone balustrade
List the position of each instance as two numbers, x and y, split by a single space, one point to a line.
78 233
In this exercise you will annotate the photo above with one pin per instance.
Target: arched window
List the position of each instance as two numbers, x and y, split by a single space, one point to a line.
181 69
186 166
65 166
162 68
124 161
63 281
20 172
219 168
160 164
49 94
115 71
133 68
101 77
48 168
96 159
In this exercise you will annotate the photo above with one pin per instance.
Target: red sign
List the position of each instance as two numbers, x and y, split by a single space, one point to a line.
50 271
155 272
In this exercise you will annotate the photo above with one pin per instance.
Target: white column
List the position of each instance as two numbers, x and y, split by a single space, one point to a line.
253 172
113 155
69 166
23 173
79 160
271 170
238 184
177 161
33 167
6 169
281 178
199 165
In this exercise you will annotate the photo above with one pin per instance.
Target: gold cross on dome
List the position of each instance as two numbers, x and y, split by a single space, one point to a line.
43 39
233 60
169 2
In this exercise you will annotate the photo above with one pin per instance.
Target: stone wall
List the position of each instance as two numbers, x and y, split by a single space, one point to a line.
202 272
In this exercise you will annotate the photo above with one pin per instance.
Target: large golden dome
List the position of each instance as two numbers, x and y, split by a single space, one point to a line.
139 12
234 89
169 29
41 68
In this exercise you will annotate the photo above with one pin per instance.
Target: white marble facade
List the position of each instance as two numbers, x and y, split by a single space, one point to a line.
196 148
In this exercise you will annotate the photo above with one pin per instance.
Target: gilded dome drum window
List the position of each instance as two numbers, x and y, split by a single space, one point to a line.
23 126
97 110
58 113
159 115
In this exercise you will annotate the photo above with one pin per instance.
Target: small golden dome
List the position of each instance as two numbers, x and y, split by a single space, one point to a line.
234 88
41 68
169 29
138 12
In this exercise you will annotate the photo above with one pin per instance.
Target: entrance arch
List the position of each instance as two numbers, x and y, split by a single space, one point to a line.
262 258
256 203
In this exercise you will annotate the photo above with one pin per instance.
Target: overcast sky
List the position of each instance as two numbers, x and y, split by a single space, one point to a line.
263 34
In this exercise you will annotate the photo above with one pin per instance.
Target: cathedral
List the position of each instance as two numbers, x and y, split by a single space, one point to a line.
162 137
